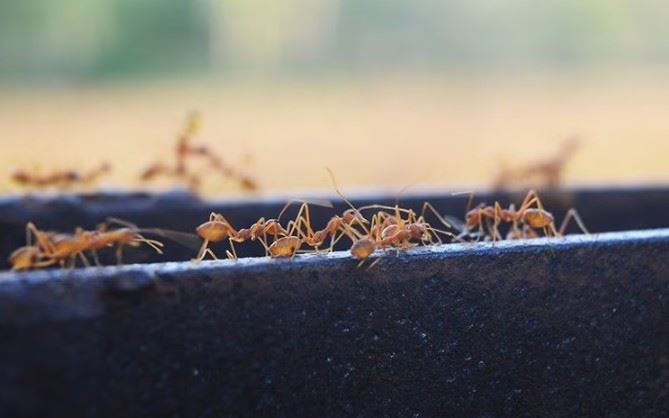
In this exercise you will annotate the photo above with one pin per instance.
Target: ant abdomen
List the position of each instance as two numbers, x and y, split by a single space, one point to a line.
285 247
538 218
363 248
213 231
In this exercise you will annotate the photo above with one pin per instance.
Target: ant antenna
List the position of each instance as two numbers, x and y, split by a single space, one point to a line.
118 221
469 201
334 183
322 203
401 191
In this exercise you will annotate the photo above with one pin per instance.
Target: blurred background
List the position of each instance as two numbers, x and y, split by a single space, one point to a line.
385 92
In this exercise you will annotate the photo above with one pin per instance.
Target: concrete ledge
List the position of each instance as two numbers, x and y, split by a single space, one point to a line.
604 210
567 327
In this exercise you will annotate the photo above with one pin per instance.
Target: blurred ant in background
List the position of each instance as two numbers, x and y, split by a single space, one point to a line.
546 174
185 151
61 179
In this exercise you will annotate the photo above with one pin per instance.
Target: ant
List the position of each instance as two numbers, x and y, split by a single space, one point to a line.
288 244
549 172
60 179
218 228
121 237
336 224
185 150
524 221
388 230
54 248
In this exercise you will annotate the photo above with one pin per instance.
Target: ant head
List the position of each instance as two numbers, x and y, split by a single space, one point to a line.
351 215
473 217
417 230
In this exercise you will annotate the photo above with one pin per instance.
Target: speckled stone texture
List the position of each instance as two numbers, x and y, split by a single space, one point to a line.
574 327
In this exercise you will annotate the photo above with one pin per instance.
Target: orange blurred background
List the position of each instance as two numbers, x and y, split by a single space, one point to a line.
385 93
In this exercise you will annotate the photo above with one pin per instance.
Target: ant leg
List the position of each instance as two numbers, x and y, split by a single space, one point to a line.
156 245
497 221
531 199
332 241
374 263
96 259
350 232
432 234
361 262
211 253
119 255
573 214
553 230
43 264
232 247
28 234
263 241
428 205
68 263
480 231
83 259
202 251
516 231
307 221
42 241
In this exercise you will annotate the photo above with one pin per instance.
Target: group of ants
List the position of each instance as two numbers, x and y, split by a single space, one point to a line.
180 170
368 228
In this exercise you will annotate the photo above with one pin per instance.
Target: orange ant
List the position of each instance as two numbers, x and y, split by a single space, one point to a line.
121 237
184 149
52 248
218 228
549 171
61 179
289 244
529 217
386 229
336 224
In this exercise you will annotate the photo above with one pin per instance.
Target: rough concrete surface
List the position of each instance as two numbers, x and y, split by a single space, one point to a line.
573 327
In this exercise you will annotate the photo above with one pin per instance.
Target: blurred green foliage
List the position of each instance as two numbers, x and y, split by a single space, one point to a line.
97 39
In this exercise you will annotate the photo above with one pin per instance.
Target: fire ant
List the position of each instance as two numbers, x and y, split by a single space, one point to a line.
60 179
524 221
185 150
292 237
218 228
387 229
63 249
549 172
